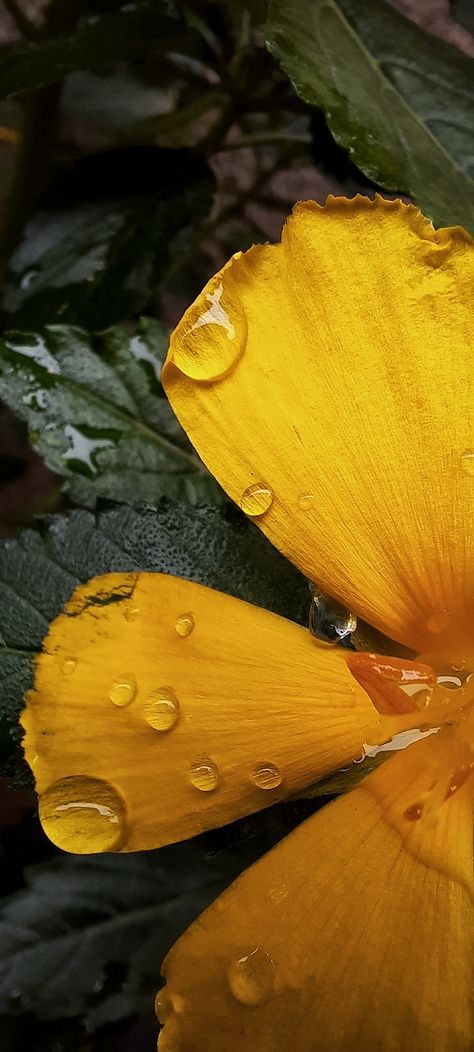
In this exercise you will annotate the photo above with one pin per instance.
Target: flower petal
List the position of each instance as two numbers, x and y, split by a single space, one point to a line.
354 932
327 383
162 708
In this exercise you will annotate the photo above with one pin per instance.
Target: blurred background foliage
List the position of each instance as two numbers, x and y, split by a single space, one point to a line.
141 143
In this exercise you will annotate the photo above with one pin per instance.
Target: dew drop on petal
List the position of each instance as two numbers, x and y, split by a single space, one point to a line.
214 338
306 501
184 624
162 1006
251 976
413 813
161 709
83 815
204 775
467 461
329 621
131 613
68 666
122 691
256 499
266 776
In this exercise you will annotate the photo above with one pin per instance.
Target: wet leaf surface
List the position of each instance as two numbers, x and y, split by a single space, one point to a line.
400 101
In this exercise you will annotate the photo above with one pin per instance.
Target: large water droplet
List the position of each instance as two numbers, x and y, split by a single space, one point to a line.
204 775
161 709
256 499
131 613
123 690
329 621
184 624
251 976
212 337
83 815
267 776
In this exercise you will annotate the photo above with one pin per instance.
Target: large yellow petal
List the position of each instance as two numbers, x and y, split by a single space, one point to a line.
328 384
354 933
162 708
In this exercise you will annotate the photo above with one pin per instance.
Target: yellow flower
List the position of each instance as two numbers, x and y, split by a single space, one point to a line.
328 384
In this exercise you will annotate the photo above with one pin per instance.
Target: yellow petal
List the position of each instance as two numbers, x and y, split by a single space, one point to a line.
162 708
354 933
327 383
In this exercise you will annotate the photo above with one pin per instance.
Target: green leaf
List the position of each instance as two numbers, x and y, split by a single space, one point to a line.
100 419
40 569
112 38
88 934
400 101
105 235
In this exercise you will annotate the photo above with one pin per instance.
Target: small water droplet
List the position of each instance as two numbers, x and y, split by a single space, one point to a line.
162 1006
212 337
256 499
306 500
267 776
161 709
131 613
184 624
28 278
68 666
123 690
83 815
329 621
251 976
204 775
467 461
413 813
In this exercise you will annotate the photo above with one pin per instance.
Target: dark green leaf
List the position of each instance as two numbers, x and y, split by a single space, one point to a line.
40 569
100 419
109 39
88 935
105 236
400 101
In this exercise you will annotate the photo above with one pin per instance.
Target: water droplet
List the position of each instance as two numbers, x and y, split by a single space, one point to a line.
68 666
413 813
204 775
329 621
28 278
256 499
306 500
438 621
467 461
123 690
161 709
212 337
267 776
184 624
451 682
83 815
251 977
131 613
162 1006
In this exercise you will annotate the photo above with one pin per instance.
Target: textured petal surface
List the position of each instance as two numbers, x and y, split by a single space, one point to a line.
354 933
162 708
327 382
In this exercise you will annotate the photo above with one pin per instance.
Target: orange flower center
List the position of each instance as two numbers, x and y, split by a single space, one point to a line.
426 694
